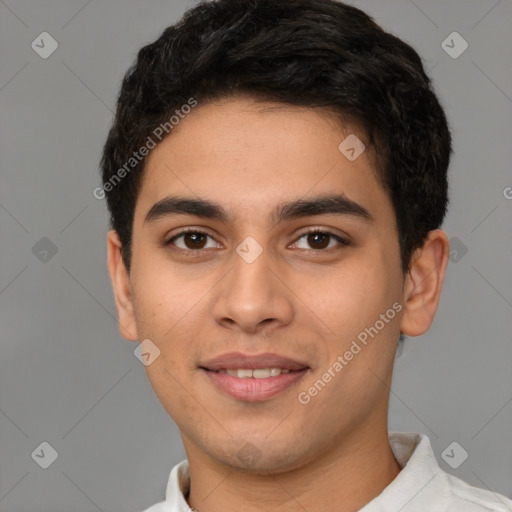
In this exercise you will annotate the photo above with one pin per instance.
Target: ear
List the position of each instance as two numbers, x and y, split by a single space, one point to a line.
121 286
424 282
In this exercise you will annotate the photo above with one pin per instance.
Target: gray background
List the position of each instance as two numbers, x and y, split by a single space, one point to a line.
66 375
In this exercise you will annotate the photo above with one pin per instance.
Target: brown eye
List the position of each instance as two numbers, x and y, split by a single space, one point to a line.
192 240
318 240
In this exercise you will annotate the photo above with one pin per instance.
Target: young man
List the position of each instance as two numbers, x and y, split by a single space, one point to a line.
276 178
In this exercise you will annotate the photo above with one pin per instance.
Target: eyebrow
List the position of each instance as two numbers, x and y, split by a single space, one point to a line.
337 204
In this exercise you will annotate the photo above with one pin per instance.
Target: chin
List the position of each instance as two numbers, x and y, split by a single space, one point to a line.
261 457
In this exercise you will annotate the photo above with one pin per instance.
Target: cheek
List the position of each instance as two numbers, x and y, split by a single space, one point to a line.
168 386
163 297
353 302
355 297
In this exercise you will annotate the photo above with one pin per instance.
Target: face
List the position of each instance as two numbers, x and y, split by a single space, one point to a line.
292 266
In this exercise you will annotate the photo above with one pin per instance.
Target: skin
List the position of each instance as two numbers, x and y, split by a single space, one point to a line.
295 299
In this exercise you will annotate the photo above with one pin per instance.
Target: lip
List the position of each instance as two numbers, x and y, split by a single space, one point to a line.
245 361
252 389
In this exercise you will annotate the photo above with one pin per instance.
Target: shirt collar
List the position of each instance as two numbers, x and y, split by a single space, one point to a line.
419 467
178 487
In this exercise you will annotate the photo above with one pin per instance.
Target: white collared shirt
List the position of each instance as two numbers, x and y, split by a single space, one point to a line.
421 486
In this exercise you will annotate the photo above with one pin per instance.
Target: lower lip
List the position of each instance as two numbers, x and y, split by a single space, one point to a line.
251 389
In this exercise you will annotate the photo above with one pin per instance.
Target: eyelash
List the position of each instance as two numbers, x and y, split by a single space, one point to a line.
198 252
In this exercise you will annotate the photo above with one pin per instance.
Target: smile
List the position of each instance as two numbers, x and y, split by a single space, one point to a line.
253 377
257 373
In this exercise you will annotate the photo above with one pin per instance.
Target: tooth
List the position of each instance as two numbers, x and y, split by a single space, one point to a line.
244 374
261 373
258 373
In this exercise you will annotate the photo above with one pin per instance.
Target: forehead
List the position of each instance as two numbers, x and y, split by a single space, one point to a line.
250 155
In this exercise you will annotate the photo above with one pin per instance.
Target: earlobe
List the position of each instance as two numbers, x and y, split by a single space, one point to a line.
424 283
121 286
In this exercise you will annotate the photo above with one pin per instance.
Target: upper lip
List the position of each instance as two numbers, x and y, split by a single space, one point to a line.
237 360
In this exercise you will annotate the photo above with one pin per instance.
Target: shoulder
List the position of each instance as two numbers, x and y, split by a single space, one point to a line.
464 497
423 485
159 507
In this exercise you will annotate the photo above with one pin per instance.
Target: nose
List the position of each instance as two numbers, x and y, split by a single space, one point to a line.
252 297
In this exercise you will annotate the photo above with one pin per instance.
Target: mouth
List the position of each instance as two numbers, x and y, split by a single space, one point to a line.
253 378
256 373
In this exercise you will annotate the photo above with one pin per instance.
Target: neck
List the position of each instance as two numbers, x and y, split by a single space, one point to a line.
345 479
